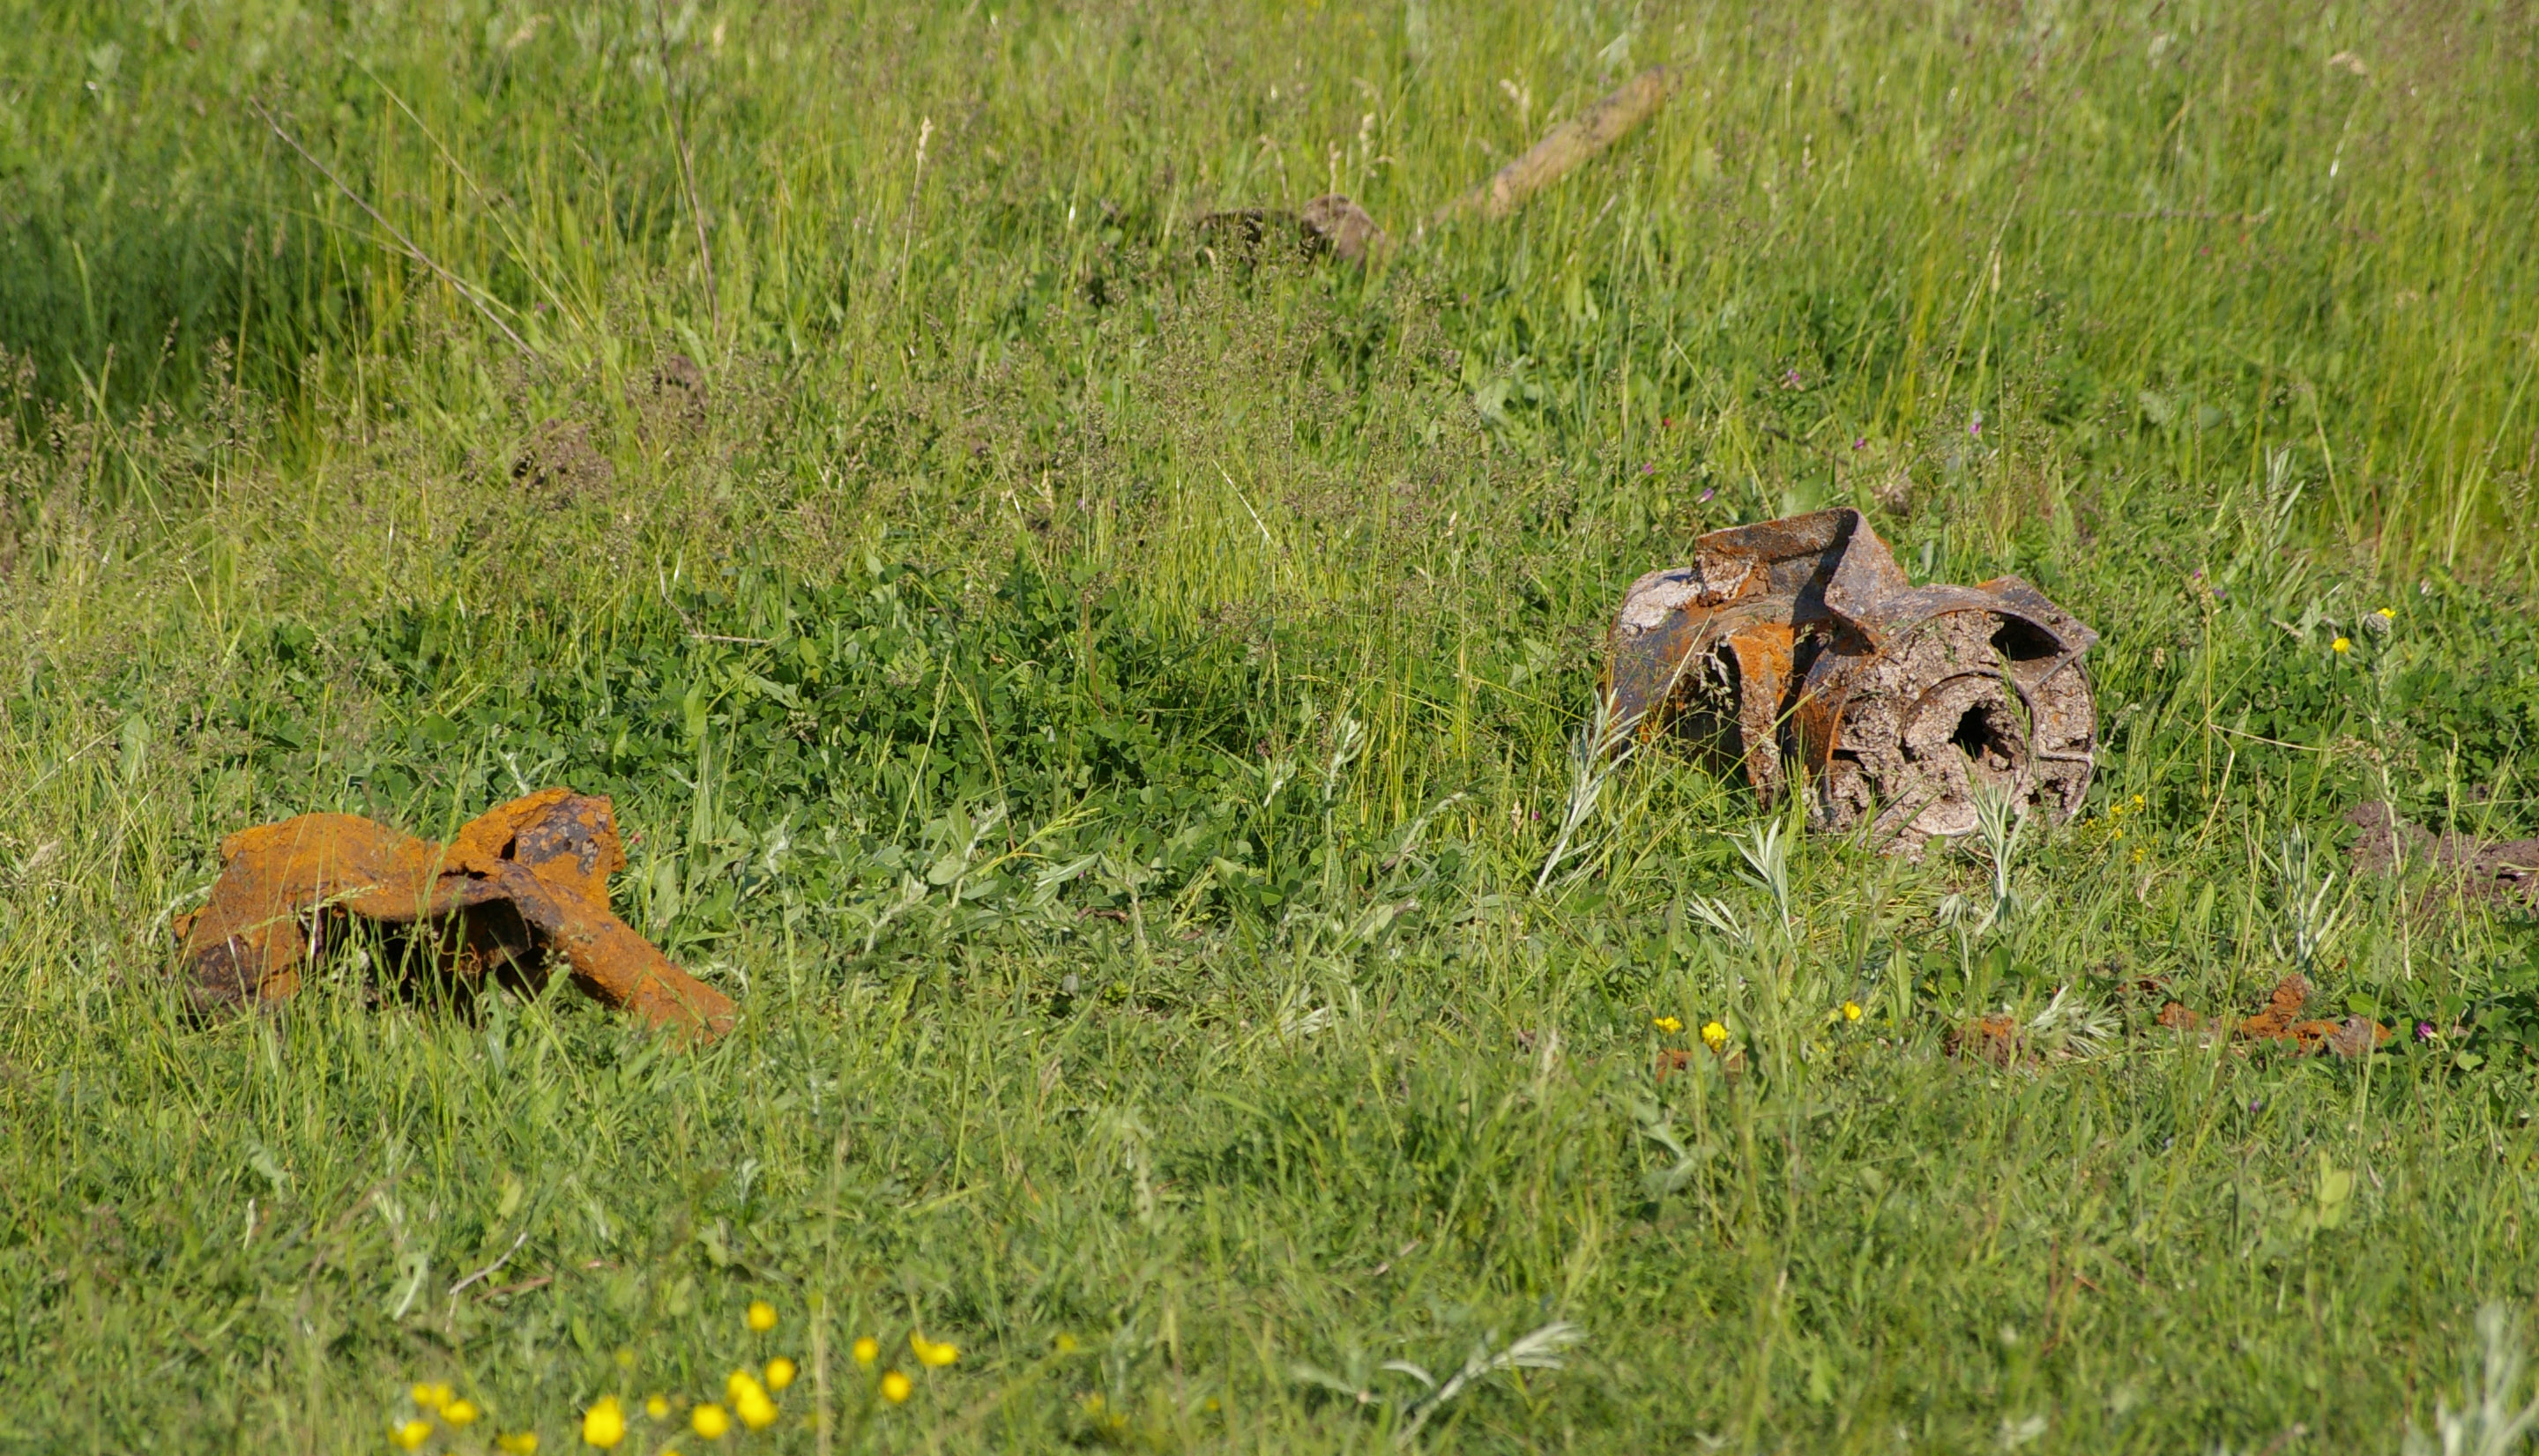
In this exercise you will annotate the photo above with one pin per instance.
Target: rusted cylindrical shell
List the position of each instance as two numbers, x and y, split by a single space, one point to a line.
1800 641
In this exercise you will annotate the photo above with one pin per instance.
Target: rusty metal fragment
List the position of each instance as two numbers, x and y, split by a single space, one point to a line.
522 884
1330 224
2281 1024
1801 641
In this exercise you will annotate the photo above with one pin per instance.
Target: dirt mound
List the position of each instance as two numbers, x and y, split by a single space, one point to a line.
2484 869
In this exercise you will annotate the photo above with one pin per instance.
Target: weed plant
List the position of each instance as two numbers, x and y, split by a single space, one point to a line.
1117 710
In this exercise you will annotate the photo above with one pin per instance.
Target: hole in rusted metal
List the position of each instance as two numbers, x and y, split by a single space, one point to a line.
1985 740
2024 642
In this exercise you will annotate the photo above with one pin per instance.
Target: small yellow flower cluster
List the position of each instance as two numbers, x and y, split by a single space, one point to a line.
436 1398
1667 1026
896 1387
2111 823
1714 1035
1107 1418
748 1400
1851 1011
933 1354
2341 646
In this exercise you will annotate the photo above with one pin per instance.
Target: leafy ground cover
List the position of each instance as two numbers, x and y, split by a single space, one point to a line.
1103 706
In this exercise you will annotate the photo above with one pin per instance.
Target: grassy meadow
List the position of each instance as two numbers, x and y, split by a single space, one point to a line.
1103 700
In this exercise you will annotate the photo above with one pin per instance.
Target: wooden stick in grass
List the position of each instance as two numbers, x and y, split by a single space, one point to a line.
1567 145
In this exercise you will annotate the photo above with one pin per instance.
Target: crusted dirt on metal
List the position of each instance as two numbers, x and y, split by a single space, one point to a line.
520 885
1801 641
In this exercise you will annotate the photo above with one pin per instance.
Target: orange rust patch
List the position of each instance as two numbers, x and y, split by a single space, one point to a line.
1993 1038
521 882
2282 1022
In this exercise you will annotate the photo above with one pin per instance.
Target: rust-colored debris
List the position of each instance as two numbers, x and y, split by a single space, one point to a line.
2483 869
1674 1059
521 881
1330 224
1802 639
1991 1039
2281 1024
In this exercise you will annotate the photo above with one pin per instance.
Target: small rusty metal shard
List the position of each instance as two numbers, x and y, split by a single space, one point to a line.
1799 640
1330 224
523 881
2281 1023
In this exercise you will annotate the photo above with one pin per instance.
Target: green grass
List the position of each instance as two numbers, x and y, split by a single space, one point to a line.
1103 714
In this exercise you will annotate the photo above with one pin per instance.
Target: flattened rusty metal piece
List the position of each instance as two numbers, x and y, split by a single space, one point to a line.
1800 640
521 881
2281 1023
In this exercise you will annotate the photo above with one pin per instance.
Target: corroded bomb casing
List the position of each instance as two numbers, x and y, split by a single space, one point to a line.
1800 642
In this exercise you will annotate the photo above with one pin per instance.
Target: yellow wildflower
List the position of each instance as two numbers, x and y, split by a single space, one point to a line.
710 1421
762 1316
459 1412
519 1443
779 1373
756 1410
658 1406
604 1423
868 1349
933 1354
895 1387
1851 1011
2387 614
411 1435
1667 1024
2340 645
1065 1343
1714 1036
434 1396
